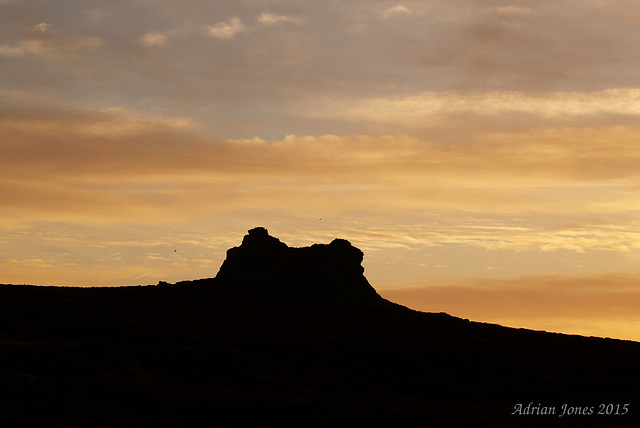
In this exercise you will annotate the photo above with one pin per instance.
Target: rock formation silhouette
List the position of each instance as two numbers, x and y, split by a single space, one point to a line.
326 272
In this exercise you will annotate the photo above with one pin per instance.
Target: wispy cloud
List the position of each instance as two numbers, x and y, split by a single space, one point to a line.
12 51
113 166
33 263
154 39
540 157
156 257
227 30
508 11
58 47
417 110
43 27
98 15
269 18
398 9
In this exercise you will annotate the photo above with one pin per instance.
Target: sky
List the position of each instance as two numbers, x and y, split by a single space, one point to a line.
485 155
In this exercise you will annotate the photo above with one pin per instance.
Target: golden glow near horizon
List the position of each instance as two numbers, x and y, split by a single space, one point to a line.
485 155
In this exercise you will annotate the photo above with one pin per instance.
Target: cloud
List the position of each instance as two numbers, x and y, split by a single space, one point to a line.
415 110
12 51
53 47
42 27
115 166
156 257
399 9
154 39
33 263
552 157
97 15
227 30
623 239
511 11
618 9
268 18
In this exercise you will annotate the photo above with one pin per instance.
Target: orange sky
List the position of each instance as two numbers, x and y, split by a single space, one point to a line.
484 155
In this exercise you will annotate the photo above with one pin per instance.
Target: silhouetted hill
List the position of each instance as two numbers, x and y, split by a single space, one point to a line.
262 345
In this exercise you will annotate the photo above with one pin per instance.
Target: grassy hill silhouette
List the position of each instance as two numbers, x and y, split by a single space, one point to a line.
292 337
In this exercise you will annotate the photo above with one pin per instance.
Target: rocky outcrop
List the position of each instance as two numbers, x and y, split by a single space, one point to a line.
325 272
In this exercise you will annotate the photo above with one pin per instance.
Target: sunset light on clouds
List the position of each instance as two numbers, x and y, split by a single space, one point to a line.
485 156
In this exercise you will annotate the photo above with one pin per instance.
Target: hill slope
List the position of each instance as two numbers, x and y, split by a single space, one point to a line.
223 352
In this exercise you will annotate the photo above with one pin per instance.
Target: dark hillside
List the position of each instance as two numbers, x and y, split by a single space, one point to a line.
223 352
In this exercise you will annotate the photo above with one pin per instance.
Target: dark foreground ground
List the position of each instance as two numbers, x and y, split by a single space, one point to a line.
190 356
